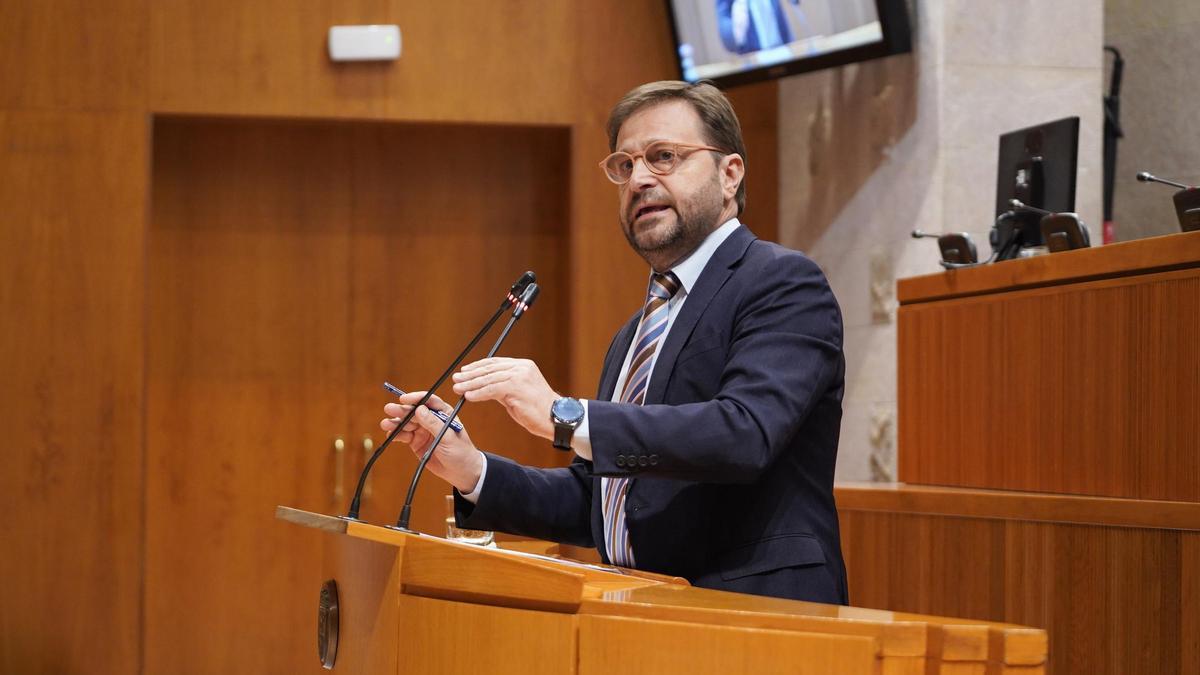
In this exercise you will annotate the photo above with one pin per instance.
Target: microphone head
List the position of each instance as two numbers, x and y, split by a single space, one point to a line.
527 298
1144 176
518 289
530 295
528 278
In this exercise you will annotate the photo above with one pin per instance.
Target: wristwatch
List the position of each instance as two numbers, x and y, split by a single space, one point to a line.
567 415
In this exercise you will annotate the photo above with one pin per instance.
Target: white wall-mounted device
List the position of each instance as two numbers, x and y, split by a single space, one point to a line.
364 43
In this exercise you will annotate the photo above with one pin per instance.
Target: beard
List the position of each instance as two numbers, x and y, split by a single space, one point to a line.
691 220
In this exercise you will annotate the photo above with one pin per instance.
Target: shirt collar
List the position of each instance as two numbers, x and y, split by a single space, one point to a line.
688 270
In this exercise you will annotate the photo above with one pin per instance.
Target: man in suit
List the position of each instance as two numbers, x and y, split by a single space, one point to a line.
748 26
709 452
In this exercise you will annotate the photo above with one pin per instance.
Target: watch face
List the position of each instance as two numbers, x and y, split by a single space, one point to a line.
567 410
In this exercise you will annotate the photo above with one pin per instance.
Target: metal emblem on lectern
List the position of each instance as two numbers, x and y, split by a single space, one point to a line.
327 624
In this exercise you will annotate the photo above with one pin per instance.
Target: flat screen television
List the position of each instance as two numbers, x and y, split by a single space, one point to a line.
731 42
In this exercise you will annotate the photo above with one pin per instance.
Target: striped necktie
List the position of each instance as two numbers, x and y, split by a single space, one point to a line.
651 328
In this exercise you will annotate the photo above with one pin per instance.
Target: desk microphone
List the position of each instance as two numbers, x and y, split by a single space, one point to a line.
515 296
1147 177
523 304
1060 231
1187 201
958 251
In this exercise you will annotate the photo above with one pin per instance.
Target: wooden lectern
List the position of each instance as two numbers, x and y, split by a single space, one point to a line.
409 604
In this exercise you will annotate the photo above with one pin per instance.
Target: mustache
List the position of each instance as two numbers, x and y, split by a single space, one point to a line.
641 200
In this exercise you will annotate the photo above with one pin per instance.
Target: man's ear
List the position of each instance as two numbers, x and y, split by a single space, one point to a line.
733 170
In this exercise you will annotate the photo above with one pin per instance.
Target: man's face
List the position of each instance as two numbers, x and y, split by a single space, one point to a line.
666 217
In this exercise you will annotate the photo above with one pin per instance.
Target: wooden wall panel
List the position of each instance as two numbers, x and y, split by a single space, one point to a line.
473 61
247 374
1112 599
295 267
1082 388
73 54
71 226
445 219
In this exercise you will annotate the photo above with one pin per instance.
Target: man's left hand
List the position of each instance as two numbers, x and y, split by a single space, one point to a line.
517 384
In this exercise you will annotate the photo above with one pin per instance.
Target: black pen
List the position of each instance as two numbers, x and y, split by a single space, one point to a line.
455 425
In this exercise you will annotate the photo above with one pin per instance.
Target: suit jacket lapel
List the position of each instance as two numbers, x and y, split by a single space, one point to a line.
715 274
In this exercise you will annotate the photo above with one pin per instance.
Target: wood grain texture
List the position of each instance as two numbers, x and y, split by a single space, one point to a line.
634 647
72 213
507 62
907 641
60 55
368 580
284 256
439 233
1112 599
437 569
247 374
1081 388
1013 505
451 637
1154 254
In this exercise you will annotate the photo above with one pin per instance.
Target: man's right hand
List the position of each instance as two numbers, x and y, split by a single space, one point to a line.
456 460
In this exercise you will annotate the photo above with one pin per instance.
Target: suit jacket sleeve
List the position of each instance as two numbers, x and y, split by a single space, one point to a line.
783 353
552 504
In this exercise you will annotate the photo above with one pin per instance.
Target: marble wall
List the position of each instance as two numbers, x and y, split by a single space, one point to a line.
870 151
1160 109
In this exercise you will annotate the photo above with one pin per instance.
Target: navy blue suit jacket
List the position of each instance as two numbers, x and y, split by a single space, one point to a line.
732 455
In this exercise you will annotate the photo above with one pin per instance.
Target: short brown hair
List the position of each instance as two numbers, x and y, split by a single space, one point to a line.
721 127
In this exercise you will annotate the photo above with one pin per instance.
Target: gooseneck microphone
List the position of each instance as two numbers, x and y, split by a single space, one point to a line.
523 304
1187 201
514 297
1147 177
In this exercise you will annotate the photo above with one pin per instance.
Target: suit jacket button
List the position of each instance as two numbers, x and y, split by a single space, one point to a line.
653 460
642 461
620 460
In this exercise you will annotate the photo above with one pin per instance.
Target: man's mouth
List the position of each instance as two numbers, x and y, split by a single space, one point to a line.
649 209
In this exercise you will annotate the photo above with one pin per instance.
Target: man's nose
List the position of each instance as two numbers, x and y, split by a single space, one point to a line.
641 176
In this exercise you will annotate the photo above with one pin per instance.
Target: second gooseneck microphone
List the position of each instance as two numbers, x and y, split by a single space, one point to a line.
514 297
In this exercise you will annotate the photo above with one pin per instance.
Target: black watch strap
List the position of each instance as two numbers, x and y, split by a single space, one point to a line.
563 433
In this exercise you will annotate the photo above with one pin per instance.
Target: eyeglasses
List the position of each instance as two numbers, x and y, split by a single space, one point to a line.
661 157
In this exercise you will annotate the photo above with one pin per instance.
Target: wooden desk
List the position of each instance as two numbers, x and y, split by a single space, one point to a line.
1112 581
1075 373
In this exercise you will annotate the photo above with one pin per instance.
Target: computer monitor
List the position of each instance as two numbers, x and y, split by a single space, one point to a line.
1037 167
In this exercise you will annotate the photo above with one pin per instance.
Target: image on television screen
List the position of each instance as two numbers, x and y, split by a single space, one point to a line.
717 38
